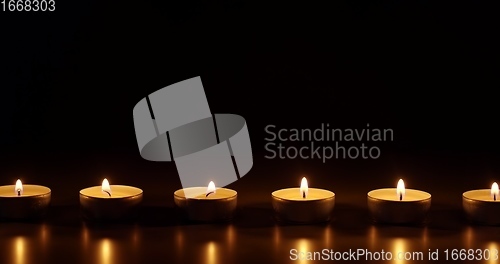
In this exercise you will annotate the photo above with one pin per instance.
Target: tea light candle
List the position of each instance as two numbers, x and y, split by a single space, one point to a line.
481 206
110 202
398 205
206 204
303 205
24 201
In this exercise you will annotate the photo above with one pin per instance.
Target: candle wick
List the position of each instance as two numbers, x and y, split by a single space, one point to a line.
401 197
208 194
108 193
304 194
494 197
18 192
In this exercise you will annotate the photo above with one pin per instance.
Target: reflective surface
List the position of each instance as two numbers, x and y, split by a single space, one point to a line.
160 234
231 244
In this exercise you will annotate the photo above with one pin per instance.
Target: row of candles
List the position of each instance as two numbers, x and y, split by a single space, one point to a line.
210 204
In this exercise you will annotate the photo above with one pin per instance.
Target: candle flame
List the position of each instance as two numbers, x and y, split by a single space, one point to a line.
105 187
19 188
304 188
400 190
210 188
494 191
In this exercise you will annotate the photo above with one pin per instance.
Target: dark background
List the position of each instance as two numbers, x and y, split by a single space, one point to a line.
69 80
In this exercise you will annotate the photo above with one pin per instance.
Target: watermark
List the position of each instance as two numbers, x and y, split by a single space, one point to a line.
354 254
175 124
325 142
387 255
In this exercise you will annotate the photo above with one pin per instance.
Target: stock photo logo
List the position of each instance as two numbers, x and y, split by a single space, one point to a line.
175 124
324 142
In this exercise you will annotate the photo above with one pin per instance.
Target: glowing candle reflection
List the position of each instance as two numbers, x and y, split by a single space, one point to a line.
373 237
493 248
328 234
399 247
469 237
20 245
106 251
85 237
277 237
303 246
230 236
179 240
211 253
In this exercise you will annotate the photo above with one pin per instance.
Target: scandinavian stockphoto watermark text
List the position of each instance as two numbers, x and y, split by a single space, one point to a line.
325 142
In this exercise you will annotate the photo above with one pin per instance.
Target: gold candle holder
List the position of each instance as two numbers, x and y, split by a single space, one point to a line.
202 204
110 202
481 206
398 205
24 202
303 205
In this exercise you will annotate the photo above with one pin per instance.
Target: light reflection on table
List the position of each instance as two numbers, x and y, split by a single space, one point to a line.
106 251
215 246
211 253
28 243
25 246
398 249
493 247
105 245
19 249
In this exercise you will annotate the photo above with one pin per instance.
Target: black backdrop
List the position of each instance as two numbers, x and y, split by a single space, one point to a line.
70 78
